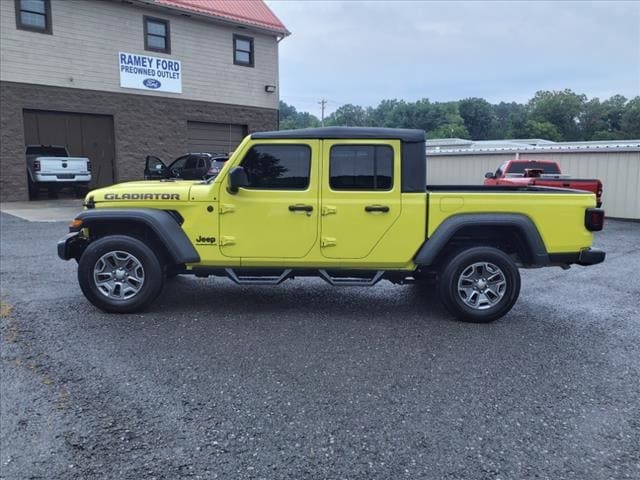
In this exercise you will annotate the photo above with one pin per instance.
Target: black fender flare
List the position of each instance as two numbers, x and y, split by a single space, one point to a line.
434 245
160 222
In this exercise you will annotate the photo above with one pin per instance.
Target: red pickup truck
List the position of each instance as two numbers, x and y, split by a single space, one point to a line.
543 173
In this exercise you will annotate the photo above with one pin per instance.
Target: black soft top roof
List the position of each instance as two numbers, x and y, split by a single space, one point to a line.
404 134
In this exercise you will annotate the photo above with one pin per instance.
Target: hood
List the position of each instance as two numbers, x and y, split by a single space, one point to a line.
145 191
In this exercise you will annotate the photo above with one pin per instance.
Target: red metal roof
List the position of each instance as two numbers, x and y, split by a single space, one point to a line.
254 13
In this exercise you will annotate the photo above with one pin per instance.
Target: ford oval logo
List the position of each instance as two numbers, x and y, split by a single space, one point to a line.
151 83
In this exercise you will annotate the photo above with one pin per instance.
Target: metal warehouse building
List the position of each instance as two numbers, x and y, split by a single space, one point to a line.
616 163
117 80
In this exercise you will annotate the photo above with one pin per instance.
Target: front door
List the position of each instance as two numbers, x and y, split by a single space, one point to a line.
276 215
360 195
154 168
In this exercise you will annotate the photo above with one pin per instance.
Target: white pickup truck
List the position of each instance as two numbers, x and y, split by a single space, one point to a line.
51 167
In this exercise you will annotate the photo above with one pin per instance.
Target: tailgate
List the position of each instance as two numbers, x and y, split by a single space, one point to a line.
62 165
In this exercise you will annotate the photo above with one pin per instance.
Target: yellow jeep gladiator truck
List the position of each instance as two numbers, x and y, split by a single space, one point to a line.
350 205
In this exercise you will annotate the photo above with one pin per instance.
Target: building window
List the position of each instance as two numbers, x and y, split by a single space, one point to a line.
157 36
243 50
278 167
33 15
361 167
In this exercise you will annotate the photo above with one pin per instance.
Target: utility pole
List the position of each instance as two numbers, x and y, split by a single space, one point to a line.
322 103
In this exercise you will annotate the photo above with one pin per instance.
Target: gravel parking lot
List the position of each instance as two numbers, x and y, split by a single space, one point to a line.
308 381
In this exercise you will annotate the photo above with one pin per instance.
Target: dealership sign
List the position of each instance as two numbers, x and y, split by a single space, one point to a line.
150 73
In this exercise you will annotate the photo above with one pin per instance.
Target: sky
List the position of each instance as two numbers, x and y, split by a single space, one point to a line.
362 52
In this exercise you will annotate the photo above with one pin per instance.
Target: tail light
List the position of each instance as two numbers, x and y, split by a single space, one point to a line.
88 165
594 219
36 165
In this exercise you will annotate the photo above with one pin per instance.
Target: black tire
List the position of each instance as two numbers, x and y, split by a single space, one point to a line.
148 260
493 299
171 273
33 189
80 192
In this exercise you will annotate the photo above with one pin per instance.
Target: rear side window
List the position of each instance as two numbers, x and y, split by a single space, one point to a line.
192 162
520 167
278 167
47 151
361 167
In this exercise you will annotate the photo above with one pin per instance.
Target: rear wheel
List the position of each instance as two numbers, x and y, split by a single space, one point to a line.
33 188
480 284
120 274
80 192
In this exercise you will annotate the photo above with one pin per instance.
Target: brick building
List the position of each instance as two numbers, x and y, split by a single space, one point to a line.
116 80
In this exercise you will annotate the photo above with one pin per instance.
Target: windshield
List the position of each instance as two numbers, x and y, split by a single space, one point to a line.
47 151
520 167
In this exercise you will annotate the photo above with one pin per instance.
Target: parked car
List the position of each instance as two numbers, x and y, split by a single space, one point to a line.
193 166
51 167
543 173
348 205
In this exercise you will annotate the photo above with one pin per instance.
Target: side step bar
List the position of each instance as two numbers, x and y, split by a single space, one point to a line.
351 281
276 278
257 279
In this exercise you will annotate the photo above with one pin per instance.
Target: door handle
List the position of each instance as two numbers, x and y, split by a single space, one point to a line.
376 208
300 208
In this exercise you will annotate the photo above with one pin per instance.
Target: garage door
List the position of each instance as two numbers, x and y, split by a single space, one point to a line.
214 137
84 135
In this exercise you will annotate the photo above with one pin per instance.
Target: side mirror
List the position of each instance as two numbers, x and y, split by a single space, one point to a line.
489 175
237 179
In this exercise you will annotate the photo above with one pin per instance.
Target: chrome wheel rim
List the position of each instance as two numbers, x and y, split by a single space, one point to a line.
481 285
118 275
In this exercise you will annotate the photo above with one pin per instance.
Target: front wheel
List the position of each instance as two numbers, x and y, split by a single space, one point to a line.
480 284
120 274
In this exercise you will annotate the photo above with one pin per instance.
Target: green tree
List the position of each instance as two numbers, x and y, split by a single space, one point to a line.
290 118
507 118
535 129
630 121
449 130
615 108
477 115
593 119
560 108
553 115
349 116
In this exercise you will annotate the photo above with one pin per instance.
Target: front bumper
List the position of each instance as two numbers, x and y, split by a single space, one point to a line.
71 246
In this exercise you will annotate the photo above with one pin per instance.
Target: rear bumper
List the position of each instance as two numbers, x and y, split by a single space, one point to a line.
591 256
585 257
55 178
71 246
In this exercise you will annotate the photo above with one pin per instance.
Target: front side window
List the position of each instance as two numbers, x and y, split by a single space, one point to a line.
33 15
156 35
278 167
243 50
179 163
361 167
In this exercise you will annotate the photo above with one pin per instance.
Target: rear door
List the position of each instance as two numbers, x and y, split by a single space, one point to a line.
361 195
190 169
